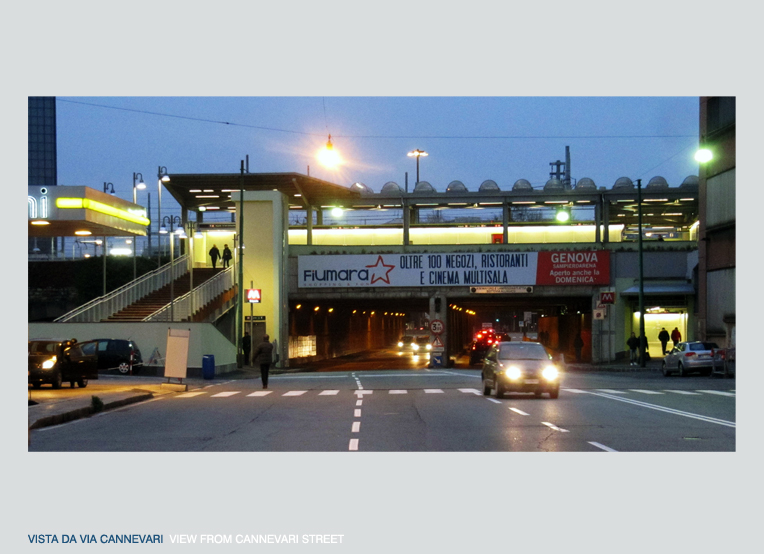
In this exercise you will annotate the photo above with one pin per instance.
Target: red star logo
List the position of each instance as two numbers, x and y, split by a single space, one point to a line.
386 277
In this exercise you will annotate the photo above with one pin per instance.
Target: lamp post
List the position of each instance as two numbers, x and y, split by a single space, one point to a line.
191 236
642 338
162 177
109 187
418 154
137 184
172 220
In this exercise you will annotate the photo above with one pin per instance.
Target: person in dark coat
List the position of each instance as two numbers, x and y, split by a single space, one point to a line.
578 345
633 344
226 255
676 336
214 254
663 336
246 346
263 355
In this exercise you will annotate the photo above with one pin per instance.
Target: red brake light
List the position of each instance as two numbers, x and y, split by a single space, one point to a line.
688 354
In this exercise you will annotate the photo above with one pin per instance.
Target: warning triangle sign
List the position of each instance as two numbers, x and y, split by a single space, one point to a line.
437 343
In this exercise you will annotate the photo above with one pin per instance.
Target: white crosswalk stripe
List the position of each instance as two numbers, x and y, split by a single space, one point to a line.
294 393
261 393
225 394
433 391
399 392
328 393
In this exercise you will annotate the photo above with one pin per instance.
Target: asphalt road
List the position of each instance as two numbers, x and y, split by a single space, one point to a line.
416 410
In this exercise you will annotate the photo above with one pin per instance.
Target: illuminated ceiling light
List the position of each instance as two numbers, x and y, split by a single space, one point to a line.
88 204
331 310
703 155
298 306
562 215
337 212
83 233
316 309
328 156
40 222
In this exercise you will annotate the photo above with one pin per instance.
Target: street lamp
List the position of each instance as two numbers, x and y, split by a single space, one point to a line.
107 187
642 338
162 177
418 154
137 184
172 220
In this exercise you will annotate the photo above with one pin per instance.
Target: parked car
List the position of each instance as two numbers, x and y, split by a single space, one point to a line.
520 367
118 354
690 357
724 362
55 361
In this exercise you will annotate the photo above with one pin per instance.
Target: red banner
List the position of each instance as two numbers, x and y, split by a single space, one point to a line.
573 268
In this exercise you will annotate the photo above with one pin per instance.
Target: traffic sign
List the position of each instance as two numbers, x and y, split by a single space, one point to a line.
437 344
436 327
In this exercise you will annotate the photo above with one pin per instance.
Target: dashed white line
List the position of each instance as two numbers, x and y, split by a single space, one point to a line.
577 391
359 402
720 393
602 446
353 444
493 400
553 426
611 391
356 427
189 394
643 391
473 391
328 393
399 392
433 391
681 392
518 411
357 413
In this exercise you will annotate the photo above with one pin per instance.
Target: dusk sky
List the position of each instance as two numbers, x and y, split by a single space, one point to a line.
470 139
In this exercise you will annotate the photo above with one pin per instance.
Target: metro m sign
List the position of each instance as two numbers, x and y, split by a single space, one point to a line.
253 296
607 297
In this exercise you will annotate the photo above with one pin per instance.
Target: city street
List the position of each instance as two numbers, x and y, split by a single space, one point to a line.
418 410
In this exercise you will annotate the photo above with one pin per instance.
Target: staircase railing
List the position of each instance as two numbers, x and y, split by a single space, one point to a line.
185 306
102 307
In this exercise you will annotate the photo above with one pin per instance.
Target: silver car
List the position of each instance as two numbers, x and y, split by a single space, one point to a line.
690 357
520 367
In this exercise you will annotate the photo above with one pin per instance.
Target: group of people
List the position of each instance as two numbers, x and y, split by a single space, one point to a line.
633 343
262 356
215 254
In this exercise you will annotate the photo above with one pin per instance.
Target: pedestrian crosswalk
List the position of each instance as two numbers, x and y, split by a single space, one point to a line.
361 393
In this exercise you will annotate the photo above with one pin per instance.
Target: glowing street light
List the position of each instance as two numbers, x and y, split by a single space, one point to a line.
328 156
418 154
703 155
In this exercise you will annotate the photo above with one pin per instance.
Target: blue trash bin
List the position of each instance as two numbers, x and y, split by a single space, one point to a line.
208 366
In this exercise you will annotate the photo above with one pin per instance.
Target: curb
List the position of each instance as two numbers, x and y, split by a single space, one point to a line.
87 411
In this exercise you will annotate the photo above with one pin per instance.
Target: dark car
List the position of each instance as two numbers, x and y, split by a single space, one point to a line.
724 362
117 354
482 343
55 361
520 367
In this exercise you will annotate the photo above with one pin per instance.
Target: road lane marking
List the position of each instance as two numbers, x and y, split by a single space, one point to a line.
602 446
353 444
328 393
720 393
643 391
473 391
362 392
668 410
226 394
518 411
357 413
356 427
458 374
553 426
683 392
577 391
260 393
433 391
359 402
189 394
294 393
399 392
493 400
611 391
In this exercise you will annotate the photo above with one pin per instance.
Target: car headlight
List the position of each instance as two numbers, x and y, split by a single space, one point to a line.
400 345
429 347
550 373
49 363
415 346
513 372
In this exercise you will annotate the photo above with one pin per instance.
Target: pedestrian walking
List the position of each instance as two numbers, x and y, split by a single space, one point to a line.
226 255
633 344
263 355
663 336
578 344
676 336
246 346
214 254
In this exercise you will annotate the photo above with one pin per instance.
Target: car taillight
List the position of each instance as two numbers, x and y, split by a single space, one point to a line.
689 354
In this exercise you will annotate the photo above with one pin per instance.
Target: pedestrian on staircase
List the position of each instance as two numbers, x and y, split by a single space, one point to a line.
214 254
226 255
